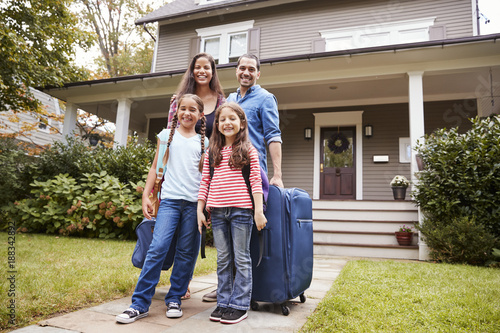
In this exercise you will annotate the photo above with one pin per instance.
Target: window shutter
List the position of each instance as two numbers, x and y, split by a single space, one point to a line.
318 45
437 32
194 47
254 41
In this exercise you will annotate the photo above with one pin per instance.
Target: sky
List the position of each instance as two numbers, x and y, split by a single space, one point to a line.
489 8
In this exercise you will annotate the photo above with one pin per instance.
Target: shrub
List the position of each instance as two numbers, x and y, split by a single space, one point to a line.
100 206
458 240
460 183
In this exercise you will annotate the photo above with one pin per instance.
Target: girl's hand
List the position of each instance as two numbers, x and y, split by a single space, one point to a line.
202 221
260 220
147 208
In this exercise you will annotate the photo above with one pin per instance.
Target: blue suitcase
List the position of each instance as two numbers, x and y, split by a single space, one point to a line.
284 249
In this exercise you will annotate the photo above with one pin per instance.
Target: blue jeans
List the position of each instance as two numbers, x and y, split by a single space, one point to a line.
232 229
173 216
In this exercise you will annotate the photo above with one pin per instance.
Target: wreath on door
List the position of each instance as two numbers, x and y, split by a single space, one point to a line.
338 143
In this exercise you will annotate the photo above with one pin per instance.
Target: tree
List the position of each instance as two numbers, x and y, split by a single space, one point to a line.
37 40
125 48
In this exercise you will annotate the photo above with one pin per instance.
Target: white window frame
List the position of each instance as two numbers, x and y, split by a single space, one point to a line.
224 32
378 34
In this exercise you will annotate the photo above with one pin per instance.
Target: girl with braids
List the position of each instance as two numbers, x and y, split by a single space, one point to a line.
226 196
200 79
180 153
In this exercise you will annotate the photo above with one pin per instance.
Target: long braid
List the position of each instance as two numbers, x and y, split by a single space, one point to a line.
202 133
172 130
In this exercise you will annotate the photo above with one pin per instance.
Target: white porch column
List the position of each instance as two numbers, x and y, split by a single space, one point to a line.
122 122
70 118
417 131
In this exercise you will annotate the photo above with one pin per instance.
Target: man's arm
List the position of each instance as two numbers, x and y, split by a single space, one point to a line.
275 152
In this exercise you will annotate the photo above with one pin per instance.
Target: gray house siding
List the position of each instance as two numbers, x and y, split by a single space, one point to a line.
390 122
290 29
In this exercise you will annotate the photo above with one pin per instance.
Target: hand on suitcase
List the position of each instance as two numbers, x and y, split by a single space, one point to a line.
260 220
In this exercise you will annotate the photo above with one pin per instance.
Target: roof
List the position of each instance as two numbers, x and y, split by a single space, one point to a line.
179 8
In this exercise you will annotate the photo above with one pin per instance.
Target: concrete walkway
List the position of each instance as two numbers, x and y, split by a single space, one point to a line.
268 318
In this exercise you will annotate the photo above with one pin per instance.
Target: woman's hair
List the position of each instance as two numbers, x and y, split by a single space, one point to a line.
174 126
188 83
240 155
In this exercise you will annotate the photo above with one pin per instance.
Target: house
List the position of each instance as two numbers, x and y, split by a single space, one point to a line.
377 74
34 129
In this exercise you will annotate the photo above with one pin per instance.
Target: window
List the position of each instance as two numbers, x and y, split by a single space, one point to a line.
226 43
390 33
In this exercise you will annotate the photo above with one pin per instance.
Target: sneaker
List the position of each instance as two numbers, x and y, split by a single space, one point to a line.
217 313
210 297
174 310
233 316
130 315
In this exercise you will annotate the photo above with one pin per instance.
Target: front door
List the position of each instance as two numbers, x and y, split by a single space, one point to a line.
337 163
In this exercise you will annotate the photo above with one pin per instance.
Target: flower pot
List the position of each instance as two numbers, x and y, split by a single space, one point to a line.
404 238
399 192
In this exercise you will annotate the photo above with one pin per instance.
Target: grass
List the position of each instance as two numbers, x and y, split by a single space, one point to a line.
60 274
389 296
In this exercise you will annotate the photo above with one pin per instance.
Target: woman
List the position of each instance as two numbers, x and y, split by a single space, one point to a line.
201 79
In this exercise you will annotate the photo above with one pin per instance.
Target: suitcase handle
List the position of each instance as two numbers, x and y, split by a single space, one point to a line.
299 221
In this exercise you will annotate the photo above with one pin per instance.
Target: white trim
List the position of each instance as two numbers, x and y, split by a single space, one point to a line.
389 33
474 18
405 150
330 119
206 2
223 32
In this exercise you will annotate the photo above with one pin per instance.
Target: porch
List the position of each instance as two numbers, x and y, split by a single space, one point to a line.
363 228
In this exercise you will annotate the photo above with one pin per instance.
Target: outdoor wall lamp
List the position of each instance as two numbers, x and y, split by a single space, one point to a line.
308 133
368 131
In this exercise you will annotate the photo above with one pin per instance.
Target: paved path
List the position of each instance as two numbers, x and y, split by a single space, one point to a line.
269 318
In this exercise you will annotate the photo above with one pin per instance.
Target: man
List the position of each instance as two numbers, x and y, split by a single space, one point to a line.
261 109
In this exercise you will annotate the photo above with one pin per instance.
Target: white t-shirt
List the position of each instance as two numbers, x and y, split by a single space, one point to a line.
182 177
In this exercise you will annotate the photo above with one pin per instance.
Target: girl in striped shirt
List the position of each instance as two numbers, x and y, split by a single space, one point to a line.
227 197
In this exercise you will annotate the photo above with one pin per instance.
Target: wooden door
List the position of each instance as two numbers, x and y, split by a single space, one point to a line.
337 163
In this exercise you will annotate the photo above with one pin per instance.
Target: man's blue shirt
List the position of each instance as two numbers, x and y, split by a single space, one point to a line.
261 109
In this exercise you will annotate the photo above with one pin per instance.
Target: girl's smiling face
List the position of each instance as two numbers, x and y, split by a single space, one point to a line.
202 71
229 123
188 112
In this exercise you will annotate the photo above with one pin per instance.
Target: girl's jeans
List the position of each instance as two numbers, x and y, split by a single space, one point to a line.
173 215
232 229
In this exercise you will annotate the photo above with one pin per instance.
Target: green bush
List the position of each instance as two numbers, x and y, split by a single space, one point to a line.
458 240
99 206
460 182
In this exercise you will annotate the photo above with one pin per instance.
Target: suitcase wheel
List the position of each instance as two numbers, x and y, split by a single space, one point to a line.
254 305
285 309
302 298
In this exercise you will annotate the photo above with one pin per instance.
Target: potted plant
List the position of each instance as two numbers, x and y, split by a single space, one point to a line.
405 235
399 185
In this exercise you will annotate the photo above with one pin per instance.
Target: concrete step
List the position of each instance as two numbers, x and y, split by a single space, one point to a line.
358 226
350 237
371 251
368 215
364 205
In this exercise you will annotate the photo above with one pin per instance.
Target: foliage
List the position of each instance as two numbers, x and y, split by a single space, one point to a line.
99 206
125 48
460 240
395 296
59 275
495 261
400 181
37 40
128 164
460 183
406 228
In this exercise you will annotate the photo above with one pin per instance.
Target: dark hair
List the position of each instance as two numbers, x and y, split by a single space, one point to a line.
250 56
188 83
240 155
174 126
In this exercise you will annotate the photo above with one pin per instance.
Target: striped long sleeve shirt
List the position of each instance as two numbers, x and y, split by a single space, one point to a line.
227 187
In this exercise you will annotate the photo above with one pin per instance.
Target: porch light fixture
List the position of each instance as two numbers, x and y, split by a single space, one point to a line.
308 133
368 131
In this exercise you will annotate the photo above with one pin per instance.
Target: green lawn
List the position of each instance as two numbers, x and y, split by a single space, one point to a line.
59 274
389 296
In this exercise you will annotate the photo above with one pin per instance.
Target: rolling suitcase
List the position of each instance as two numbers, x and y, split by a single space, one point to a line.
282 255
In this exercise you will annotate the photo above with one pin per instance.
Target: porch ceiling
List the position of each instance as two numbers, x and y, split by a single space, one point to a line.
452 72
